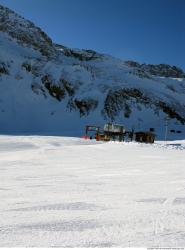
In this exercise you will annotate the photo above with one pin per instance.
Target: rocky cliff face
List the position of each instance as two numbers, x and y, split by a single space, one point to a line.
163 70
25 32
49 88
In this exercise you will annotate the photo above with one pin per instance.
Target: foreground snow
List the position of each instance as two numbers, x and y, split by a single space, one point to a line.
68 192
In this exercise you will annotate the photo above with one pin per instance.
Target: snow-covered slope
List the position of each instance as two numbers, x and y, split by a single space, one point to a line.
48 88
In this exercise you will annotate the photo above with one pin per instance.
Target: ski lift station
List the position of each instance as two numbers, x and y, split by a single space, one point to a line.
117 132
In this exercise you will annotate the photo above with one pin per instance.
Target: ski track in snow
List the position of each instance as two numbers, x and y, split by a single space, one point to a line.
70 192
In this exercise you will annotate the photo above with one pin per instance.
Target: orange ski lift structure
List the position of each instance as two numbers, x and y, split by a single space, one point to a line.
91 128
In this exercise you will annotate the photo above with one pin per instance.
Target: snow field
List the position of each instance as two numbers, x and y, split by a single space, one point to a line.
70 192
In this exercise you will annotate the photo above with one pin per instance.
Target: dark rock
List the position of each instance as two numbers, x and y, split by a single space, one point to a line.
54 90
4 68
68 87
82 55
172 113
84 106
163 70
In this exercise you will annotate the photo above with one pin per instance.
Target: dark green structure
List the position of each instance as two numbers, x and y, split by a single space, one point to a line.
146 137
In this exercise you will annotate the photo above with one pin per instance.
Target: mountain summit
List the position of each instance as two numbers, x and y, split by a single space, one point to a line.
48 88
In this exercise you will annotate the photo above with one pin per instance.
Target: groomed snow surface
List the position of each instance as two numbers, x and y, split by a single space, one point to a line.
68 192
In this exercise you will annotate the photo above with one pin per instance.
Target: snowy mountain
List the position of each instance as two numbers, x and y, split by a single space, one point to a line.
47 88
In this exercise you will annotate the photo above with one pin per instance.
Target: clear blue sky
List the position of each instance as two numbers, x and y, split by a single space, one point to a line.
151 31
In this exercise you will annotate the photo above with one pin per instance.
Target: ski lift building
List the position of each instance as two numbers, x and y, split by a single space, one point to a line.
146 137
114 131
